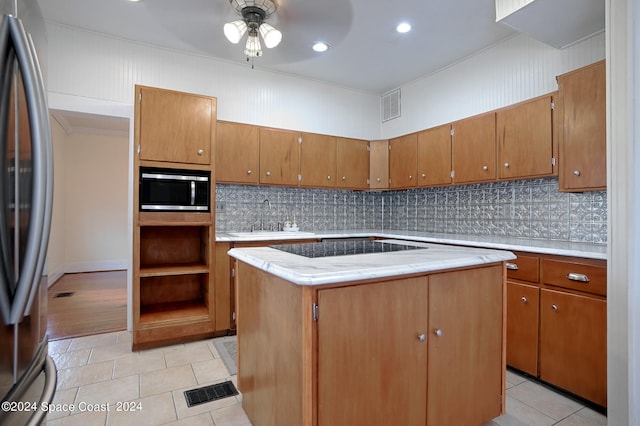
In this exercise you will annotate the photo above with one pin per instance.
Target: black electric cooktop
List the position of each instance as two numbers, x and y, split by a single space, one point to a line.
343 247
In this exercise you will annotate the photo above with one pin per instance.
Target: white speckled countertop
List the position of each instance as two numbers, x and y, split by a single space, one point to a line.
326 270
561 248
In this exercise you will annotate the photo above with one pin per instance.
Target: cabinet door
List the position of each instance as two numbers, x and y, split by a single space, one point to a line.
379 164
583 142
371 362
352 163
237 153
465 363
573 343
474 149
223 294
175 127
403 163
279 157
525 139
318 160
434 156
523 303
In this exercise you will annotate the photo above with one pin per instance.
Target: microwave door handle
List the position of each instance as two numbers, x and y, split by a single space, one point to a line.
193 192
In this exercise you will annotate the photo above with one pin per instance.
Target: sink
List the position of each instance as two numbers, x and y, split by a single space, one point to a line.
271 235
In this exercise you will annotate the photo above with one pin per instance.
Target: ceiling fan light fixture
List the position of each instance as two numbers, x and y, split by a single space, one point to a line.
253 49
270 35
234 31
254 13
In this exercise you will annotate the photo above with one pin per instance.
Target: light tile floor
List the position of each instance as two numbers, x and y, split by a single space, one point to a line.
100 372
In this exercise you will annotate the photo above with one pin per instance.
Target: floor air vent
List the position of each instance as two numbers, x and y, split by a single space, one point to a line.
64 294
210 393
391 105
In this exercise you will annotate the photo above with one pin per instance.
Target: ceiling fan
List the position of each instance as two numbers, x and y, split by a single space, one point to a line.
254 13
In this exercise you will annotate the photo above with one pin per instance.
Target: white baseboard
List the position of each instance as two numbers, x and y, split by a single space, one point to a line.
76 267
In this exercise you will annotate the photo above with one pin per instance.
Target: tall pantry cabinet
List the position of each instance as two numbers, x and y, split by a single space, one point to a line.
173 251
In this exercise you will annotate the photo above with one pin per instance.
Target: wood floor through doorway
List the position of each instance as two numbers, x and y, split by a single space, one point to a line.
97 304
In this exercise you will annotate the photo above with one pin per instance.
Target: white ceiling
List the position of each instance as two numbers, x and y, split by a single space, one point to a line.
366 51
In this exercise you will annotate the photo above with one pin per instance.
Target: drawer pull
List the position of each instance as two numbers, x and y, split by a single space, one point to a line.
573 276
554 308
523 299
512 266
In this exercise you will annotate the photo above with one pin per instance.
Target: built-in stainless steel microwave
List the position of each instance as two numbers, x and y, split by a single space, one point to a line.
174 190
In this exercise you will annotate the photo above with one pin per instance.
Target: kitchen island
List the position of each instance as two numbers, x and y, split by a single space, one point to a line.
331 336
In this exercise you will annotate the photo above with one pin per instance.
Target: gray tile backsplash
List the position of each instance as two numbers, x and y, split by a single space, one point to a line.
526 208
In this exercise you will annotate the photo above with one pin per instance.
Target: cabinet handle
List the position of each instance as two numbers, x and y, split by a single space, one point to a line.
410 177
573 276
576 172
344 178
438 332
328 177
512 266
378 180
485 168
268 173
506 165
200 152
524 299
422 337
248 172
424 175
554 308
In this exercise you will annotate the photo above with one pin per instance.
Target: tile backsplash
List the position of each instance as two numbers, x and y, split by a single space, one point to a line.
525 208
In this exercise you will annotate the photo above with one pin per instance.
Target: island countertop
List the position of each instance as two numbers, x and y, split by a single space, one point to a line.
302 270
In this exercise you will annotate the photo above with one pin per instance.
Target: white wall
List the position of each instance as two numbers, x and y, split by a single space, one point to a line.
90 206
517 69
90 67
55 251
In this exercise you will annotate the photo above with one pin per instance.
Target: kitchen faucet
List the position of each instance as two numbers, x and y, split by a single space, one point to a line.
262 213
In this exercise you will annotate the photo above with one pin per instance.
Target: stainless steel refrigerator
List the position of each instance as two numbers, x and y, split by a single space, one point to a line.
27 373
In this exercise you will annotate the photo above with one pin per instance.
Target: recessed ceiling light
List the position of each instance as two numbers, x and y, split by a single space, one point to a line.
403 27
320 46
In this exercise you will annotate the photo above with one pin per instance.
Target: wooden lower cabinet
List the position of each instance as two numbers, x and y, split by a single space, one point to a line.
556 322
523 305
573 351
372 367
426 350
225 300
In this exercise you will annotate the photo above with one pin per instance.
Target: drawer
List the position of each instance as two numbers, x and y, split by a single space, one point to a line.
525 268
585 277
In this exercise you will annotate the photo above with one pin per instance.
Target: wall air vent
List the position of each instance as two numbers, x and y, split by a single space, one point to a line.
391 105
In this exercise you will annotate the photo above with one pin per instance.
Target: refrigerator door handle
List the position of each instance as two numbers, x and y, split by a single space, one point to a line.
41 137
47 395
5 245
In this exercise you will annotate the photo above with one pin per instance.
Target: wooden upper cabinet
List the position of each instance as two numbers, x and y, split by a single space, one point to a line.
379 164
279 157
434 156
525 139
174 126
582 96
352 163
403 164
318 160
237 153
474 149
